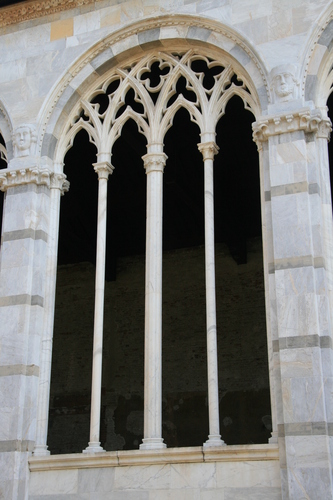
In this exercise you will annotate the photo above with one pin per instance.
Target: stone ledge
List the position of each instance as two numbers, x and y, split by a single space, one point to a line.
234 453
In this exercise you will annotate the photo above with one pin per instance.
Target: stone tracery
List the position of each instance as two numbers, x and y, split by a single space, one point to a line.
151 91
160 84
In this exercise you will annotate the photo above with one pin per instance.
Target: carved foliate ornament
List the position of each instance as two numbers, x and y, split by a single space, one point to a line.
208 150
40 176
310 121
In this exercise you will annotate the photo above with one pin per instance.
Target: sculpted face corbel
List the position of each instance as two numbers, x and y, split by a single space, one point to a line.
24 139
284 82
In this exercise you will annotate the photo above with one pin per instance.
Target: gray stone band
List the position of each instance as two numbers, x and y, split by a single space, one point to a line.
20 300
295 263
302 342
305 429
21 234
28 370
16 445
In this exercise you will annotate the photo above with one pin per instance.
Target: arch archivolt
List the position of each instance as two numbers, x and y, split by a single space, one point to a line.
151 90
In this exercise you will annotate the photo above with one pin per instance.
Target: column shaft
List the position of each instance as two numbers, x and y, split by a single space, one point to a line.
154 164
208 150
103 169
58 186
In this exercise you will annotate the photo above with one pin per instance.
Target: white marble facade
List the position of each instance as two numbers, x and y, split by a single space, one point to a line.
53 56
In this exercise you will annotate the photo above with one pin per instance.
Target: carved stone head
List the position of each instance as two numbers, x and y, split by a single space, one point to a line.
25 137
284 82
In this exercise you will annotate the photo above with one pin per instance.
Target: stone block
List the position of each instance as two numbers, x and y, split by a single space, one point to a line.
62 29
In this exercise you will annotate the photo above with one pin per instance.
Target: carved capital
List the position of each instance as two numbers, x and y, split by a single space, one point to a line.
24 140
18 177
208 150
103 169
154 162
304 119
58 181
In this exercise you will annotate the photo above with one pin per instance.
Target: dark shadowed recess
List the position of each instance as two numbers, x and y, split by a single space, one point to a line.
3 164
6 3
243 373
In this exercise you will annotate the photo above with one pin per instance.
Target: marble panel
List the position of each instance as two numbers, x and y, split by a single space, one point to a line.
313 482
17 254
246 10
64 482
302 362
132 9
305 399
201 476
175 494
253 474
152 477
252 494
87 22
256 30
96 480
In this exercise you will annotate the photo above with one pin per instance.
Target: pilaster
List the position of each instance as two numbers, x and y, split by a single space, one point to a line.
296 256
23 262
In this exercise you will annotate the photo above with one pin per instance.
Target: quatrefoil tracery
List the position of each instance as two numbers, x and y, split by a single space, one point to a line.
151 91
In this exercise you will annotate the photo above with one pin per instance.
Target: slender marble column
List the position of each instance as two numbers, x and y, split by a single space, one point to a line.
208 150
154 163
58 186
103 169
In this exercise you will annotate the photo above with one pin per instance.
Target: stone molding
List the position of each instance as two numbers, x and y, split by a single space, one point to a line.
303 119
196 454
34 9
32 175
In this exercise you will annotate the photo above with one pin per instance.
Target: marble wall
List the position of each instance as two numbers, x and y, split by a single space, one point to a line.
283 50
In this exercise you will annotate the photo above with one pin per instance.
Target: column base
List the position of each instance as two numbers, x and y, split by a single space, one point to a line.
274 438
41 450
152 444
94 448
213 441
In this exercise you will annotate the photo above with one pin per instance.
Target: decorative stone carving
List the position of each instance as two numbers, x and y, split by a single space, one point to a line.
304 119
154 162
58 181
162 84
33 175
103 169
284 83
24 139
35 9
208 150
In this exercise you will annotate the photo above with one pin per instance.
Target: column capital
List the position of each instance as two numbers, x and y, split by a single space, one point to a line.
208 149
310 121
58 181
103 169
29 175
154 162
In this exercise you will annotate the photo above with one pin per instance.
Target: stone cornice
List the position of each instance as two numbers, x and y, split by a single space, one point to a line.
235 453
34 9
303 119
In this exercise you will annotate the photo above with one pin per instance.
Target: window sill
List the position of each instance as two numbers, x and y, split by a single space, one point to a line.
197 454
